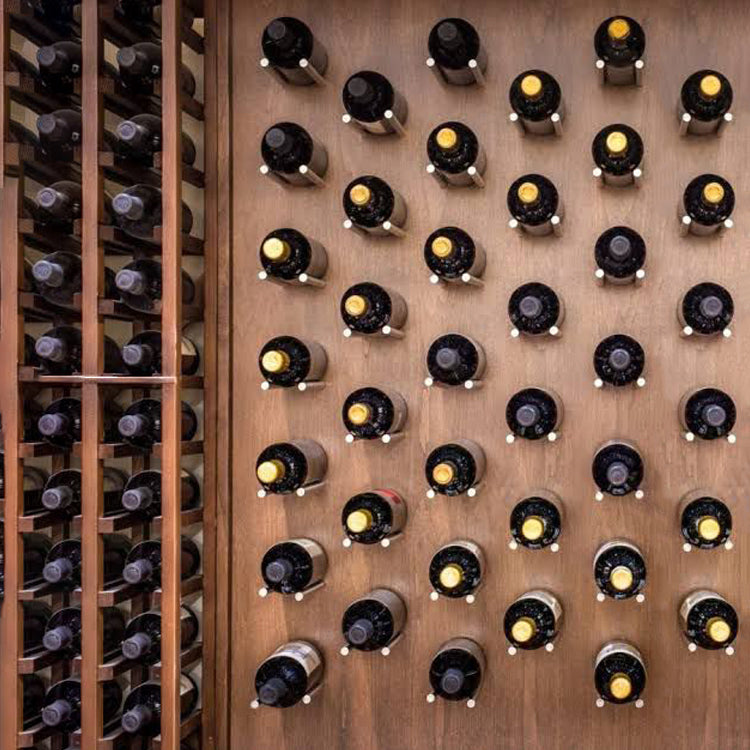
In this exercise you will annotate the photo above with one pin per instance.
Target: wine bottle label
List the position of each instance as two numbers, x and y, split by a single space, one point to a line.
619 647
317 557
303 653
696 597
392 602
315 456
464 644
477 454
607 546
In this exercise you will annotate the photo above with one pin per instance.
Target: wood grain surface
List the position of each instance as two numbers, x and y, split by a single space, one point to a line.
535 700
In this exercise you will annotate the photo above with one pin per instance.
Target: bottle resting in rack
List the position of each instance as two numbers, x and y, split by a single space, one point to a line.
62 491
285 42
137 211
286 254
374 621
285 468
291 566
139 138
456 670
63 632
290 673
141 67
140 286
456 51
142 493
142 355
142 637
373 516
62 704
140 425
143 565
60 349
141 712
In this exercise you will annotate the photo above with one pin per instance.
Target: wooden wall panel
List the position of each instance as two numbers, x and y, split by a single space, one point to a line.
535 700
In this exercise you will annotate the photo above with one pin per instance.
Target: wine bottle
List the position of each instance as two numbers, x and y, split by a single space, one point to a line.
619 570
373 413
58 205
142 355
62 704
60 349
456 52
373 516
533 414
141 641
533 621
456 671
60 64
374 621
619 44
62 491
619 360
534 205
140 286
286 362
63 631
140 137
455 468
453 360
706 309
707 413
373 104
705 101
708 621
290 152
619 674
141 713
535 309
288 675
455 154
370 308
618 469
35 615
32 696
620 254
707 205
140 425
373 206
36 547
60 424
284 468
617 151
60 133
140 13
142 493
140 68
57 278
705 521
536 521
137 211
287 255
456 570
451 254
57 14
291 566
143 564
536 99
63 562
285 43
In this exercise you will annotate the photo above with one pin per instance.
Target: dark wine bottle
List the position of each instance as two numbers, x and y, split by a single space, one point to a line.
618 469
284 468
140 286
140 137
373 414
370 308
62 491
453 360
455 469
709 621
535 309
533 621
62 704
456 52
36 547
533 414
706 309
141 713
57 14
620 254
707 413
617 151
58 205
287 255
140 425
137 211
619 360
63 632
141 641
620 571
32 696
451 254
291 566
60 349
143 564
60 65
705 101
287 42
36 615
373 206
705 521
455 154
372 517
374 621
142 493
60 133
536 521
619 674
290 152
142 355
57 277
141 13
707 205
288 675
288 362
63 562
456 570
372 103
60 424
536 99
534 205
456 671
619 44
140 68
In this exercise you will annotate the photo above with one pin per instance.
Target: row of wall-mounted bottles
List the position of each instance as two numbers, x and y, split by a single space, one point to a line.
53 92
